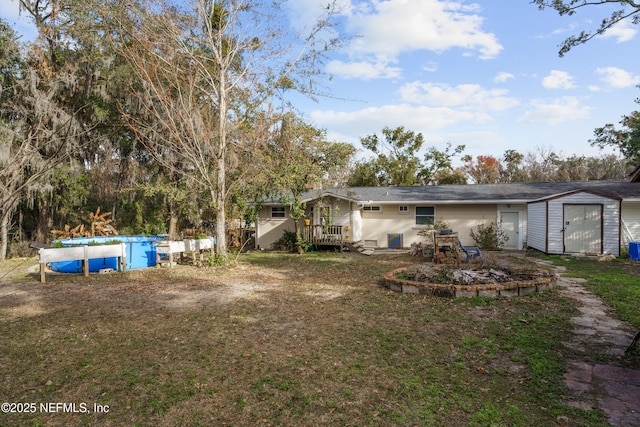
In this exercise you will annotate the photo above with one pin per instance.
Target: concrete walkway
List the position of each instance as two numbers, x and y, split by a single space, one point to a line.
612 389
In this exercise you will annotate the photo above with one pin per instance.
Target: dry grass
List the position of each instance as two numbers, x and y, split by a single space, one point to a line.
278 339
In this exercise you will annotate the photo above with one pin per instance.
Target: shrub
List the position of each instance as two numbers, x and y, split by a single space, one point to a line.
489 236
439 224
285 243
289 242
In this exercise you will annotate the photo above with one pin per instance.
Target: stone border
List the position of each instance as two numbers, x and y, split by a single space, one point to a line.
507 289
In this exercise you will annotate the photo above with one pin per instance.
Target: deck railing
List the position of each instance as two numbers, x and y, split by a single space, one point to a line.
323 234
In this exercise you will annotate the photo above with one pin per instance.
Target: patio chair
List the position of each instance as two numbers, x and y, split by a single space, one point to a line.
470 252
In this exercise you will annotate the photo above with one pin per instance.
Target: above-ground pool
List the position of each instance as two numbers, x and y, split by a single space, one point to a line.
140 253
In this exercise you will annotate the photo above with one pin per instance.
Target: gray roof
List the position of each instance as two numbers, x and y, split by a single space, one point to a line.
478 193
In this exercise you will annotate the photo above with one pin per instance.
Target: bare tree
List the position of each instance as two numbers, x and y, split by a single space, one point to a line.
205 72
626 10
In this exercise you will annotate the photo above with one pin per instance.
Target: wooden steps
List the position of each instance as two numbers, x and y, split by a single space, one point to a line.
358 247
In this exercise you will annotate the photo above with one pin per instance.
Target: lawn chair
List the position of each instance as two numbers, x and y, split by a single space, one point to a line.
470 252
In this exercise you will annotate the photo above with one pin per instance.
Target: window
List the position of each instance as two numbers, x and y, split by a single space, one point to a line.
277 212
372 208
403 209
425 215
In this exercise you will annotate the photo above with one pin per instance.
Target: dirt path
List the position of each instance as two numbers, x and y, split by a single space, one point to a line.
614 390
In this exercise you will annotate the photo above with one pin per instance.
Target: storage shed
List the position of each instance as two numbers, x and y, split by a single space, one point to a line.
578 221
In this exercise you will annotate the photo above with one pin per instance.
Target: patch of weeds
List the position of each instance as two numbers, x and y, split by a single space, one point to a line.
241 402
217 260
488 415
481 302
131 378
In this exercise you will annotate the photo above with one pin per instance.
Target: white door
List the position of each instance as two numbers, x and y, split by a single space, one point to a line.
583 229
509 225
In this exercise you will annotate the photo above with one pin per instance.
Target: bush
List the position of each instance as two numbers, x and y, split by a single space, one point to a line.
489 236
289 242
438 224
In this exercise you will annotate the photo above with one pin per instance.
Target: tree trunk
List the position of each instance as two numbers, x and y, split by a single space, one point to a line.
4 234
173 224
221 229
45 222
221 188
299 248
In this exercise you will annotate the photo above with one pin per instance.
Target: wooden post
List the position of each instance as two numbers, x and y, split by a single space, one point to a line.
85 262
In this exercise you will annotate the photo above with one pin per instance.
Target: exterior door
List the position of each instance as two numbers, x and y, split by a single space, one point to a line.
509 225
583 228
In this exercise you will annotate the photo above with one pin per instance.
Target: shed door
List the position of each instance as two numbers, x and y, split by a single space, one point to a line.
509 226
583 228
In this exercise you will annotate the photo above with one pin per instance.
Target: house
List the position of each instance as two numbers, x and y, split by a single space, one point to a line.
554 217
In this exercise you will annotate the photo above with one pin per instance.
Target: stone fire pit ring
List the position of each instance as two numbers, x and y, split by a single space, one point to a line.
490 290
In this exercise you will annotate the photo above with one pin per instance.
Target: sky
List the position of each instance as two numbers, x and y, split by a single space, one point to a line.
485 74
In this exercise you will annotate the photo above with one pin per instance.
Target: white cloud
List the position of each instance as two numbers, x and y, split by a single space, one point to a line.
362 70
387 29
624 31
617 78
556 111
468 96
394 27
362 122
558 80
503 77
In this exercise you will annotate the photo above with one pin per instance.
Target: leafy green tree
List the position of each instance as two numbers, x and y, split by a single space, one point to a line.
366 173
511 167
395 162
608 166
438 166
626 10
298 157
626 138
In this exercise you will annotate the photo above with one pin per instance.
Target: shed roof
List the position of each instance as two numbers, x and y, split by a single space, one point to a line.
477 193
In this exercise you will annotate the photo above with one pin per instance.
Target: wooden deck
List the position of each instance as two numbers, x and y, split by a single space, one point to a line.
329 235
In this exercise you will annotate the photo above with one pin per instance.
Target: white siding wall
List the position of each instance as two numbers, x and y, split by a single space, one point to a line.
377 224
537 225
631 220
340 211
555 219
268 229
461 218
464 218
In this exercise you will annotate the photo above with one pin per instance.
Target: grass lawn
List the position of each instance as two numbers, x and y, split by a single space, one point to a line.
616 282
277 339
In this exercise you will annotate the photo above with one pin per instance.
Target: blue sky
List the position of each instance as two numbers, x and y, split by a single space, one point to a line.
483 73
